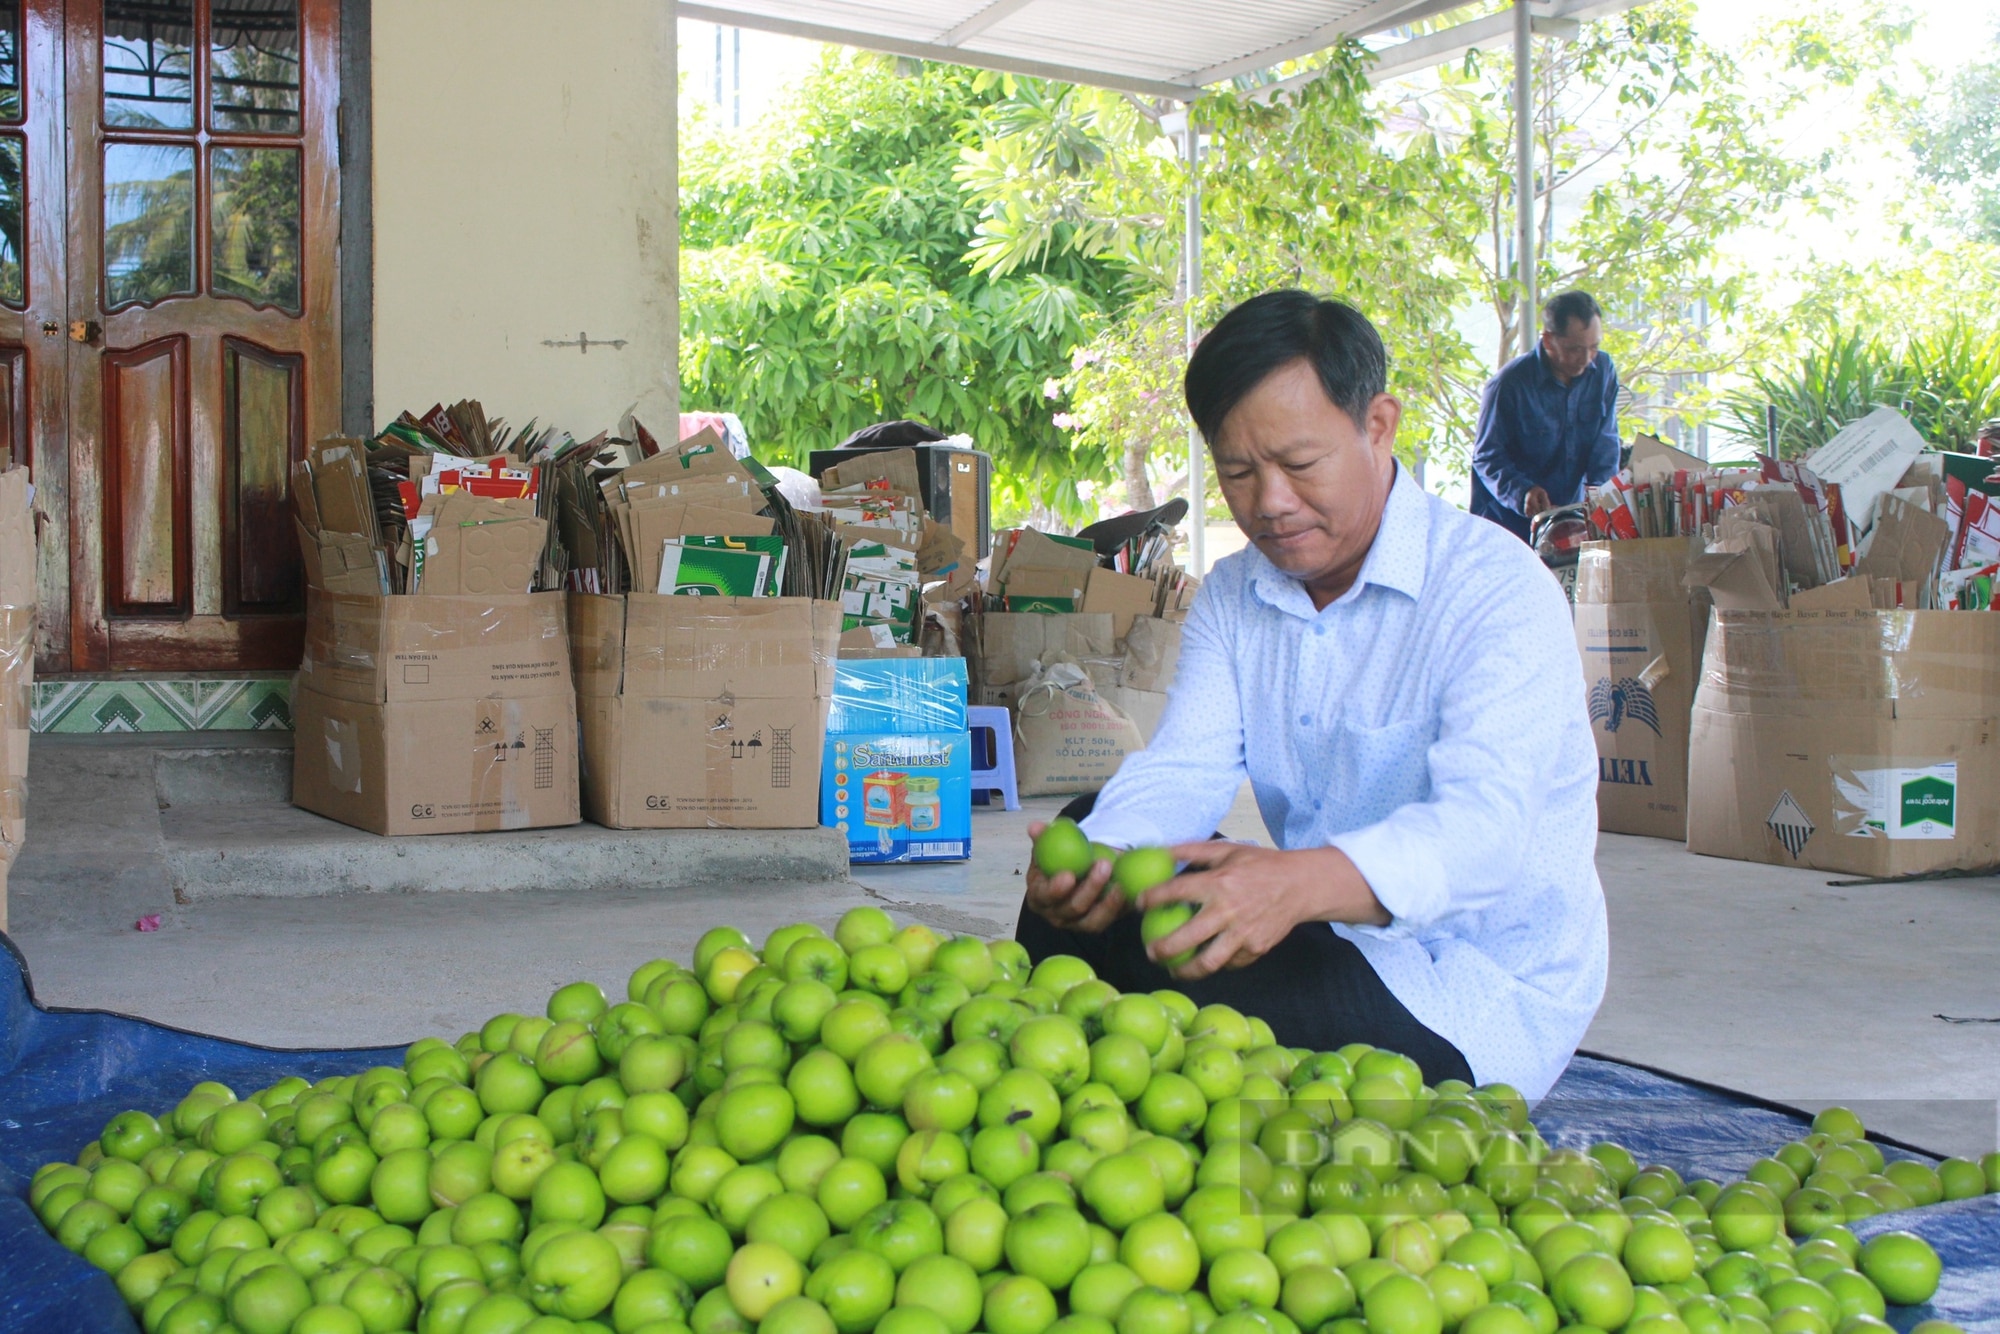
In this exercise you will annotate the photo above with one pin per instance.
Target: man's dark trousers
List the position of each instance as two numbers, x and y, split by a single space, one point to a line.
1315 989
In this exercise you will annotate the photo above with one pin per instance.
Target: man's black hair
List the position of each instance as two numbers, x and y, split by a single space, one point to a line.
1273 330
1562 308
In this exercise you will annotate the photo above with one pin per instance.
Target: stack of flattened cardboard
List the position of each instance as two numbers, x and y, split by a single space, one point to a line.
899 559
430 712
692 497
17 662
1865 742
399 513
702 712
1639 631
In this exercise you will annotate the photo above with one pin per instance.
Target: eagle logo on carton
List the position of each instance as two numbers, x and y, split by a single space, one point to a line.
1614 702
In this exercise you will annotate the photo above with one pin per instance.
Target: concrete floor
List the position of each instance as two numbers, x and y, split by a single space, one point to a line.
1758 978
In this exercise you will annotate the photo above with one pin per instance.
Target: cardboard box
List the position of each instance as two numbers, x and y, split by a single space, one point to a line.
436 766
1152 652
1123 596
1011 643
1864 742
403 648
898 797
897 776
17 664
1639 633
435 714
702 712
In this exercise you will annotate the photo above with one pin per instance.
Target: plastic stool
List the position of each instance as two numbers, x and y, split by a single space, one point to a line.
999 775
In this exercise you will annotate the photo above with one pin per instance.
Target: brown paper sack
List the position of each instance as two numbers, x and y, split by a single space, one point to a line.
1067 738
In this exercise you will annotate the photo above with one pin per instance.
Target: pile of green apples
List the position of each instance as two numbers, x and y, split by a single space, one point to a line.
881 1130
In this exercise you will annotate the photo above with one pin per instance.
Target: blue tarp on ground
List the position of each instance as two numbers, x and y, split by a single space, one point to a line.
64 1073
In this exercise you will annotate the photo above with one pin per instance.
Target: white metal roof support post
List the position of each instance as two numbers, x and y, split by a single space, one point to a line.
671 224
1524 168
1197 480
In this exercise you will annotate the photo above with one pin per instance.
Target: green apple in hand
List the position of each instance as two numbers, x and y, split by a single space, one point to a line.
1163 921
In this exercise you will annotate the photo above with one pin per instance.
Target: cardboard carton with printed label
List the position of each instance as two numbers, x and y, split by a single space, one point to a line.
1639 632
702 712
433 712
1864 742
436 714
897 777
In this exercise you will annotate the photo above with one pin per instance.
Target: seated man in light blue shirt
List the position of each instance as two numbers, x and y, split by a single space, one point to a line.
1399 682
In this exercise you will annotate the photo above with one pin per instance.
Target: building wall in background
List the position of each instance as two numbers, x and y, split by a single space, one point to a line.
524 198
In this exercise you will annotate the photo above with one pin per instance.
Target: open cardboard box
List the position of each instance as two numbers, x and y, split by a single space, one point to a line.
428 713
1865 742
702 713
1639 632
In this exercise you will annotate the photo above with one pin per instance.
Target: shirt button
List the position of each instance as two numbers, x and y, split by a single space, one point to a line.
1319 628
1305 720
1316 805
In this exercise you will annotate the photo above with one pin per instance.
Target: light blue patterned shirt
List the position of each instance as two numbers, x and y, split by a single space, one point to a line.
1430 723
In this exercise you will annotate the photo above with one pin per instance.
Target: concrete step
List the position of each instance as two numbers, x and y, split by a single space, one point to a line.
268 849
119 824
250 770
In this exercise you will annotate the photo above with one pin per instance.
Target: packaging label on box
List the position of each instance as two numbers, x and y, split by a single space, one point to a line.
1905 802
899 798
436 766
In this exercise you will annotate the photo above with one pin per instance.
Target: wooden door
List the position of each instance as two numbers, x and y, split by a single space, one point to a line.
203 193
34 346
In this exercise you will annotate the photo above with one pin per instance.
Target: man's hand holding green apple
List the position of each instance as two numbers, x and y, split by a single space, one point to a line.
1069 878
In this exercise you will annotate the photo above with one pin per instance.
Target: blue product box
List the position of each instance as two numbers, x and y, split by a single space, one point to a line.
911 696
899 797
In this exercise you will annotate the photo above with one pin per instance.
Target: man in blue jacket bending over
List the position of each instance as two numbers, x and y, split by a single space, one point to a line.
1548 422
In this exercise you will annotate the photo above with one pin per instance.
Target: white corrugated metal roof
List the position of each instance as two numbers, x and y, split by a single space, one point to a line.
1166 48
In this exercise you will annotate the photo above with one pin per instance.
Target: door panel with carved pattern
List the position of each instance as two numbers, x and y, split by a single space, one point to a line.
202 178
34 343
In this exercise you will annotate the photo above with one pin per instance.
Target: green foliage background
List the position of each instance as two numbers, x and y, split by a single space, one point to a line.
1001 255
827 281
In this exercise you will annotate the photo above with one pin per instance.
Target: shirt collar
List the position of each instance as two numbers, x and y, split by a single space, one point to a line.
1547 372
1396 559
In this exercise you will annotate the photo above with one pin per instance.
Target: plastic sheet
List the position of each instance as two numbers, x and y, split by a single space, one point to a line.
63 1074
907 696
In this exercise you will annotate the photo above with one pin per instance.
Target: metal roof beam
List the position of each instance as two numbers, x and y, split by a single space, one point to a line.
984 19
952 55
1556 18
1494 32
1370 17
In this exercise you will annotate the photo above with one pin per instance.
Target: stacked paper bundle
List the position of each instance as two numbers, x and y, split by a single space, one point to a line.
449 502
689 519
1873 518
895 550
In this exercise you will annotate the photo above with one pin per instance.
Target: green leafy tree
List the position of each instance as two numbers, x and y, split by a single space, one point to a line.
1653 148
828 279
1957 143
1298 190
